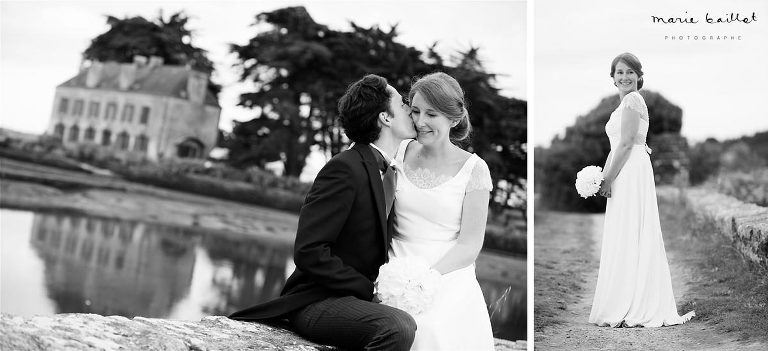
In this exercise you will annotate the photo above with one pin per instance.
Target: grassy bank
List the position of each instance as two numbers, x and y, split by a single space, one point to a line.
729 291
254 186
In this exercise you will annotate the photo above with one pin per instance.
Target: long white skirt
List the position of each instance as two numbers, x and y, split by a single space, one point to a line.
458 318
634 286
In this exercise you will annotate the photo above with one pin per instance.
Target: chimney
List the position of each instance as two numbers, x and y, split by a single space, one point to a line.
139 60
127 75
155 61
93 78
197 86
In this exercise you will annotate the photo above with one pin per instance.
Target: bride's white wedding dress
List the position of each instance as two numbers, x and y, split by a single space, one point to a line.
634 286
428 210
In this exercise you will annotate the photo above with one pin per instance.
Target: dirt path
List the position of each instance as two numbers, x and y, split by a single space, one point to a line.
567 255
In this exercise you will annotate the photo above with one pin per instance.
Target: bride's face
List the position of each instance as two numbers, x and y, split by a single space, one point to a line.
625 78
431 125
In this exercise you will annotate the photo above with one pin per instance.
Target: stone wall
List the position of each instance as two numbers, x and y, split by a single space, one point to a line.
744 224
89 331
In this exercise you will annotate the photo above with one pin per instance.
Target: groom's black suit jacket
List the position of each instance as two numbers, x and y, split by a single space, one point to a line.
342 237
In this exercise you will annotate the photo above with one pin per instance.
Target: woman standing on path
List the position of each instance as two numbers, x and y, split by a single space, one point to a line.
634 286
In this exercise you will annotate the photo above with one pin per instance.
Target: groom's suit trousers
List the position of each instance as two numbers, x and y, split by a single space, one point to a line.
354 324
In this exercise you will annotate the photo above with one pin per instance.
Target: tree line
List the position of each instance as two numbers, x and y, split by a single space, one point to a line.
300 68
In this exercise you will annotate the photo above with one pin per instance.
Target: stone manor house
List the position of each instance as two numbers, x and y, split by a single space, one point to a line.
144 108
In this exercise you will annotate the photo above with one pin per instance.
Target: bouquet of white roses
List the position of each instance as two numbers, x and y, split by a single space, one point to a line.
407 283
588 181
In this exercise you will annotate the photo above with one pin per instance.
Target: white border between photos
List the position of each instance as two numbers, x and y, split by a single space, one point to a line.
530 92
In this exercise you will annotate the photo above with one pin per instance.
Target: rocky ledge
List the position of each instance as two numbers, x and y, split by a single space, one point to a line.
89 331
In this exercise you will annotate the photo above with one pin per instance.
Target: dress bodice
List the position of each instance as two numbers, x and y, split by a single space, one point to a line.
431 210
633 101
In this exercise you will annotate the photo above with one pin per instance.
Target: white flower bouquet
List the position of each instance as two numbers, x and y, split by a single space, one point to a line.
407 283
588 181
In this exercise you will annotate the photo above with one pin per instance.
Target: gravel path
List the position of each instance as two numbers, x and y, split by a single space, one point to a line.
567 255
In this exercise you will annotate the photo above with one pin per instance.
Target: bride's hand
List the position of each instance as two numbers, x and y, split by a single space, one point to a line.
605 189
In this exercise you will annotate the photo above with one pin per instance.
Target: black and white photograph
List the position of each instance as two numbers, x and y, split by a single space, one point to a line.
277 175
650 175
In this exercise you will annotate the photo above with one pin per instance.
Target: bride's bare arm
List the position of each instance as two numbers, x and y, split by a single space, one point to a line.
607 163
474 214
630 123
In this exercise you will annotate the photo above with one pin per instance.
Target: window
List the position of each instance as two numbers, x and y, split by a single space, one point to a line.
78 109
125 233
74 133
111 113
120 260
41 234
106 137
122 141
86 250
89 225
141 143
144 115
93 109
127 113
90 134
102 257
70 244
63 105
58 131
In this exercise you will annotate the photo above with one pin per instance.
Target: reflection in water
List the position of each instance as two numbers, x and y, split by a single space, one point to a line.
247 272
129 268
108 267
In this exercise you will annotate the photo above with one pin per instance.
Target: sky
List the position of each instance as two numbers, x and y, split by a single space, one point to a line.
720 85
41 41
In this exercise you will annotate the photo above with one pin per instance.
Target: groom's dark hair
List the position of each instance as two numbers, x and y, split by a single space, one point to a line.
360 106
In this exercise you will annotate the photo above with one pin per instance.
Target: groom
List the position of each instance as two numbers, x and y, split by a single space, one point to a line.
343 232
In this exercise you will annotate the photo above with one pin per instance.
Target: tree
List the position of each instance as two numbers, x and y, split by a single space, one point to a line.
499 126
301 68
169 39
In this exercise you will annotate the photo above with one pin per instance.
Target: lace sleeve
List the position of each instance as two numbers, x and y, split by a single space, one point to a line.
480 179
634 101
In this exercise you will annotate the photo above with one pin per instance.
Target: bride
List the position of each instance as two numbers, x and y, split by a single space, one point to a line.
634 287
441 205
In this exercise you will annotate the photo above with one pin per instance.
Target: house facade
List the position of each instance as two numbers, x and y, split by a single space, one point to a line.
144 109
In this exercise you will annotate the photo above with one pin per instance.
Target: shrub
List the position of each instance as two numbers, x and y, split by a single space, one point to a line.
747 186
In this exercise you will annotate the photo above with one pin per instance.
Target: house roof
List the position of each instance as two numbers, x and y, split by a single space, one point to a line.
164 80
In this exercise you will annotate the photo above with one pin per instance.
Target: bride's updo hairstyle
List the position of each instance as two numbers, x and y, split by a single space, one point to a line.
633 62
444 94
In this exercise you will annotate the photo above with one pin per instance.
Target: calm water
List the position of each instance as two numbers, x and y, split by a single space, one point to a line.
64 263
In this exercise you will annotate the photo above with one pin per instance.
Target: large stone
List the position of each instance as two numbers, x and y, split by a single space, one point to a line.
90 331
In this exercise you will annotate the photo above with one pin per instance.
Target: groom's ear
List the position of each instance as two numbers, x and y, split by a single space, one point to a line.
385 118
